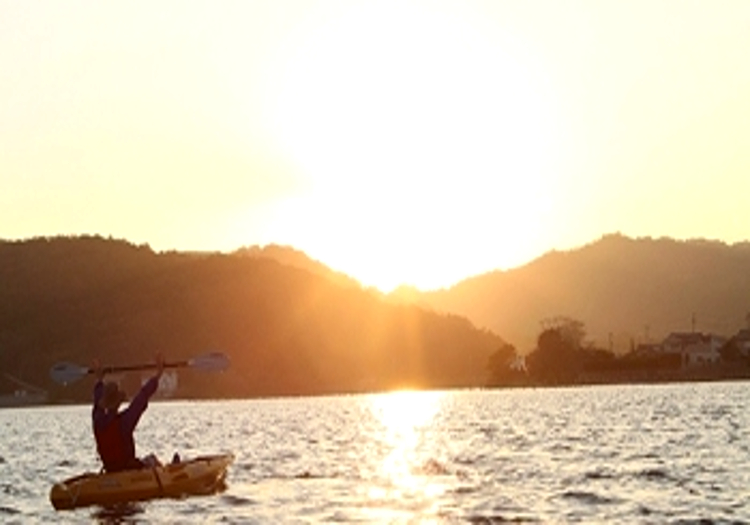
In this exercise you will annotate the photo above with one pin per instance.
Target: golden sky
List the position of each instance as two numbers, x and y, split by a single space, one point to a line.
417 142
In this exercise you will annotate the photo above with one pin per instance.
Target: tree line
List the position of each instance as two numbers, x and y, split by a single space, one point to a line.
563 356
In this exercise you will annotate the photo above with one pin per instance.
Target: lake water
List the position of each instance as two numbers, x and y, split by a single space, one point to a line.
607 454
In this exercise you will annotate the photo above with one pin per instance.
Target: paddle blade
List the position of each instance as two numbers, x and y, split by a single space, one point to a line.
213 362
65 373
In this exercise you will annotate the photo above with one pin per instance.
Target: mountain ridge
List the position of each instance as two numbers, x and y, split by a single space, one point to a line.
636 289
286 330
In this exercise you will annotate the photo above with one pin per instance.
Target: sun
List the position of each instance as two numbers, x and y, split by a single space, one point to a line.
417 128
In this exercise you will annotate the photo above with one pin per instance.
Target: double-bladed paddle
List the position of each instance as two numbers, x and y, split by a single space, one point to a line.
65 373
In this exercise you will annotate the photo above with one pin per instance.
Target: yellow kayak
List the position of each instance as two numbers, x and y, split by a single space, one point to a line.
200 476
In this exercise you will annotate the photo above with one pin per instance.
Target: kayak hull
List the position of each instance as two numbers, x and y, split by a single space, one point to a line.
200 476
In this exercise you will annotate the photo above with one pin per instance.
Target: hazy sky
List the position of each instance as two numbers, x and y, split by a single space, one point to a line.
399 142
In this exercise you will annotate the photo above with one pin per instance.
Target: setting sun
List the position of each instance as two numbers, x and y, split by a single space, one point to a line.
411 129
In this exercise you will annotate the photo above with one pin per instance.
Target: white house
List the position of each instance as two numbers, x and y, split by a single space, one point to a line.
647 350
695 349
518 363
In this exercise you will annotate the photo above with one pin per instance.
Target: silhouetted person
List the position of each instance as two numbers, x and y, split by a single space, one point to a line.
113 429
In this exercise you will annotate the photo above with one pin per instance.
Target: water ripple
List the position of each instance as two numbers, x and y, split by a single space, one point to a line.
588 498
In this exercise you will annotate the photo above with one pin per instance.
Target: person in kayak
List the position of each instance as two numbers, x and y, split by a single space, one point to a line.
113 429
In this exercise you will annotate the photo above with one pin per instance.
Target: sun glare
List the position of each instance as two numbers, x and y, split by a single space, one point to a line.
404 414
402 411
409 468
417 129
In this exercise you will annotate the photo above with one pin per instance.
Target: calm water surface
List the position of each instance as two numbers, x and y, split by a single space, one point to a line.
606 454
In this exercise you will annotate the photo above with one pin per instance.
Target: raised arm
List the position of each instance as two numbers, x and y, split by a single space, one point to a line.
139 404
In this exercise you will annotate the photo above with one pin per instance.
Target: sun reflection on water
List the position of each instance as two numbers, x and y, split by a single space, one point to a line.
408 470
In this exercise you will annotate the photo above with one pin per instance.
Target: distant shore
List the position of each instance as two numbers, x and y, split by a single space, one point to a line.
695 374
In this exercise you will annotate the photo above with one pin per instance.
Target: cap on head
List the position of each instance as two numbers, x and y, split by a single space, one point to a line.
112 396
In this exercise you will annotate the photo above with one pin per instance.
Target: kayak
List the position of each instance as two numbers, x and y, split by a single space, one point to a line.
200 476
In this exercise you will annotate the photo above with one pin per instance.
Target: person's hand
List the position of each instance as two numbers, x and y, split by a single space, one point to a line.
98 370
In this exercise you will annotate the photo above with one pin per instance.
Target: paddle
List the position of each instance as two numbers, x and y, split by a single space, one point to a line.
65 373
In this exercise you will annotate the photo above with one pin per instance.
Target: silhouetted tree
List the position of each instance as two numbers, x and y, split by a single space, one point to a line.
558 357
501 366
599 360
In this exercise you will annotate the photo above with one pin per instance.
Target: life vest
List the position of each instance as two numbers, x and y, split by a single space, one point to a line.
116 450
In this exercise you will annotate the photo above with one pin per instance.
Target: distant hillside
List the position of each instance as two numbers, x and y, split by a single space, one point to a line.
633 289
289 256
285 329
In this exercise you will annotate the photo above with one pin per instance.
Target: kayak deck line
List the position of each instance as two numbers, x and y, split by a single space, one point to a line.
203 475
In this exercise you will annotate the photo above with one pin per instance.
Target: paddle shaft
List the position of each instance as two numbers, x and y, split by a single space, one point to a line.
132 368
65 373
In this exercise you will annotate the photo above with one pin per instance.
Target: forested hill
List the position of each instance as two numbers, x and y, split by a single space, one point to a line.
290 256
633 289
285 329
